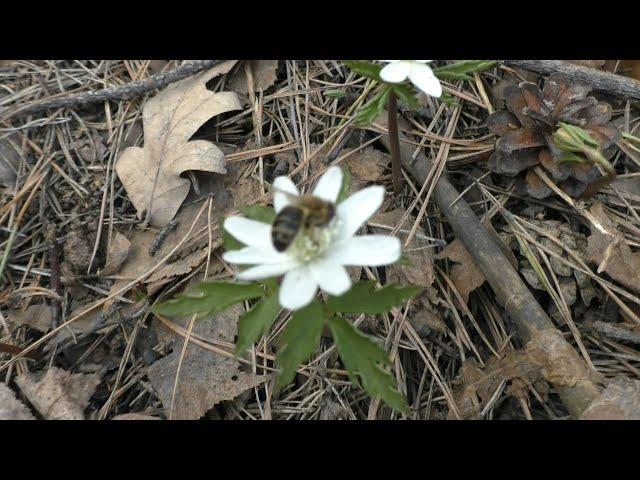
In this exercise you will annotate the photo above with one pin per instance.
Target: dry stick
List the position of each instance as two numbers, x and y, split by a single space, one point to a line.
602 81
121 92
529 317
394 144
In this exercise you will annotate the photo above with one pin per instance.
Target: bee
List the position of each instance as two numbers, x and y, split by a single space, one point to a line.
305 213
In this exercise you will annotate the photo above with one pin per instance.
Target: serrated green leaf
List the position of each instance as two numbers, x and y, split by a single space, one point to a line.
346 184
407 94
363 358
364 298
299 341
365 68
374 108
257 321
461 69
208 298
259 213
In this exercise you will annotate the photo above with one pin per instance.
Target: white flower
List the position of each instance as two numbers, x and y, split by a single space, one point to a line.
319 260
417 71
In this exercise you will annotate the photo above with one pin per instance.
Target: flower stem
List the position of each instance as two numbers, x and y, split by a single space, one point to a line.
394 143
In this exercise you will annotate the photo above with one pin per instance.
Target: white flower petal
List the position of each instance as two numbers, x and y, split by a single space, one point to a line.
328 187
356 209
255 256
366 250
250 232
396 72
298 288
267 271
422 77
423 61
331 277
283 184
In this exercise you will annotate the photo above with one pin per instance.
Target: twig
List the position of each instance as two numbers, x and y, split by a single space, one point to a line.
121 92
531 321
602 81
162 235
394 144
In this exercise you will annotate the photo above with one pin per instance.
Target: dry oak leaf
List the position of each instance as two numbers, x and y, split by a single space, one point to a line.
10 407
59 395
151 175
206 378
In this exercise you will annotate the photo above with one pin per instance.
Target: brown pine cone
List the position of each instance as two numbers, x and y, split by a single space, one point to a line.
525 130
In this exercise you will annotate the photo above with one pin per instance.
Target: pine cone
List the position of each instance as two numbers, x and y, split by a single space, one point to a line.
526 127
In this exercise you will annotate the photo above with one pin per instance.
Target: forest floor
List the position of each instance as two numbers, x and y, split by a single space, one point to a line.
81 265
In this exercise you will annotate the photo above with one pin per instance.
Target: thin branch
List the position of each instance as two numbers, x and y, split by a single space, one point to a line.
121 92
602 81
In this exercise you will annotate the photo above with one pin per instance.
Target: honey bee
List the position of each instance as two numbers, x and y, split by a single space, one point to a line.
305 213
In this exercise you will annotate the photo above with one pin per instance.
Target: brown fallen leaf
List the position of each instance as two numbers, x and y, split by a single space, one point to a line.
619 401
37 316
152 175
263 72
367 165
10 407
195 249
117 254
465 274
479 384
59 395
206 378
611 252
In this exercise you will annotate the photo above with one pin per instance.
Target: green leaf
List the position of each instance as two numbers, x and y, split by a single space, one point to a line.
208 298
460 70
374 108
570 157
448 100
365 68
346 184
363 358
364 298
406 94
334 93
257 321
259 213
299 341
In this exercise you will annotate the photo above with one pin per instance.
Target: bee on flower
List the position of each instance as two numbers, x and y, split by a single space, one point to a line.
312 239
